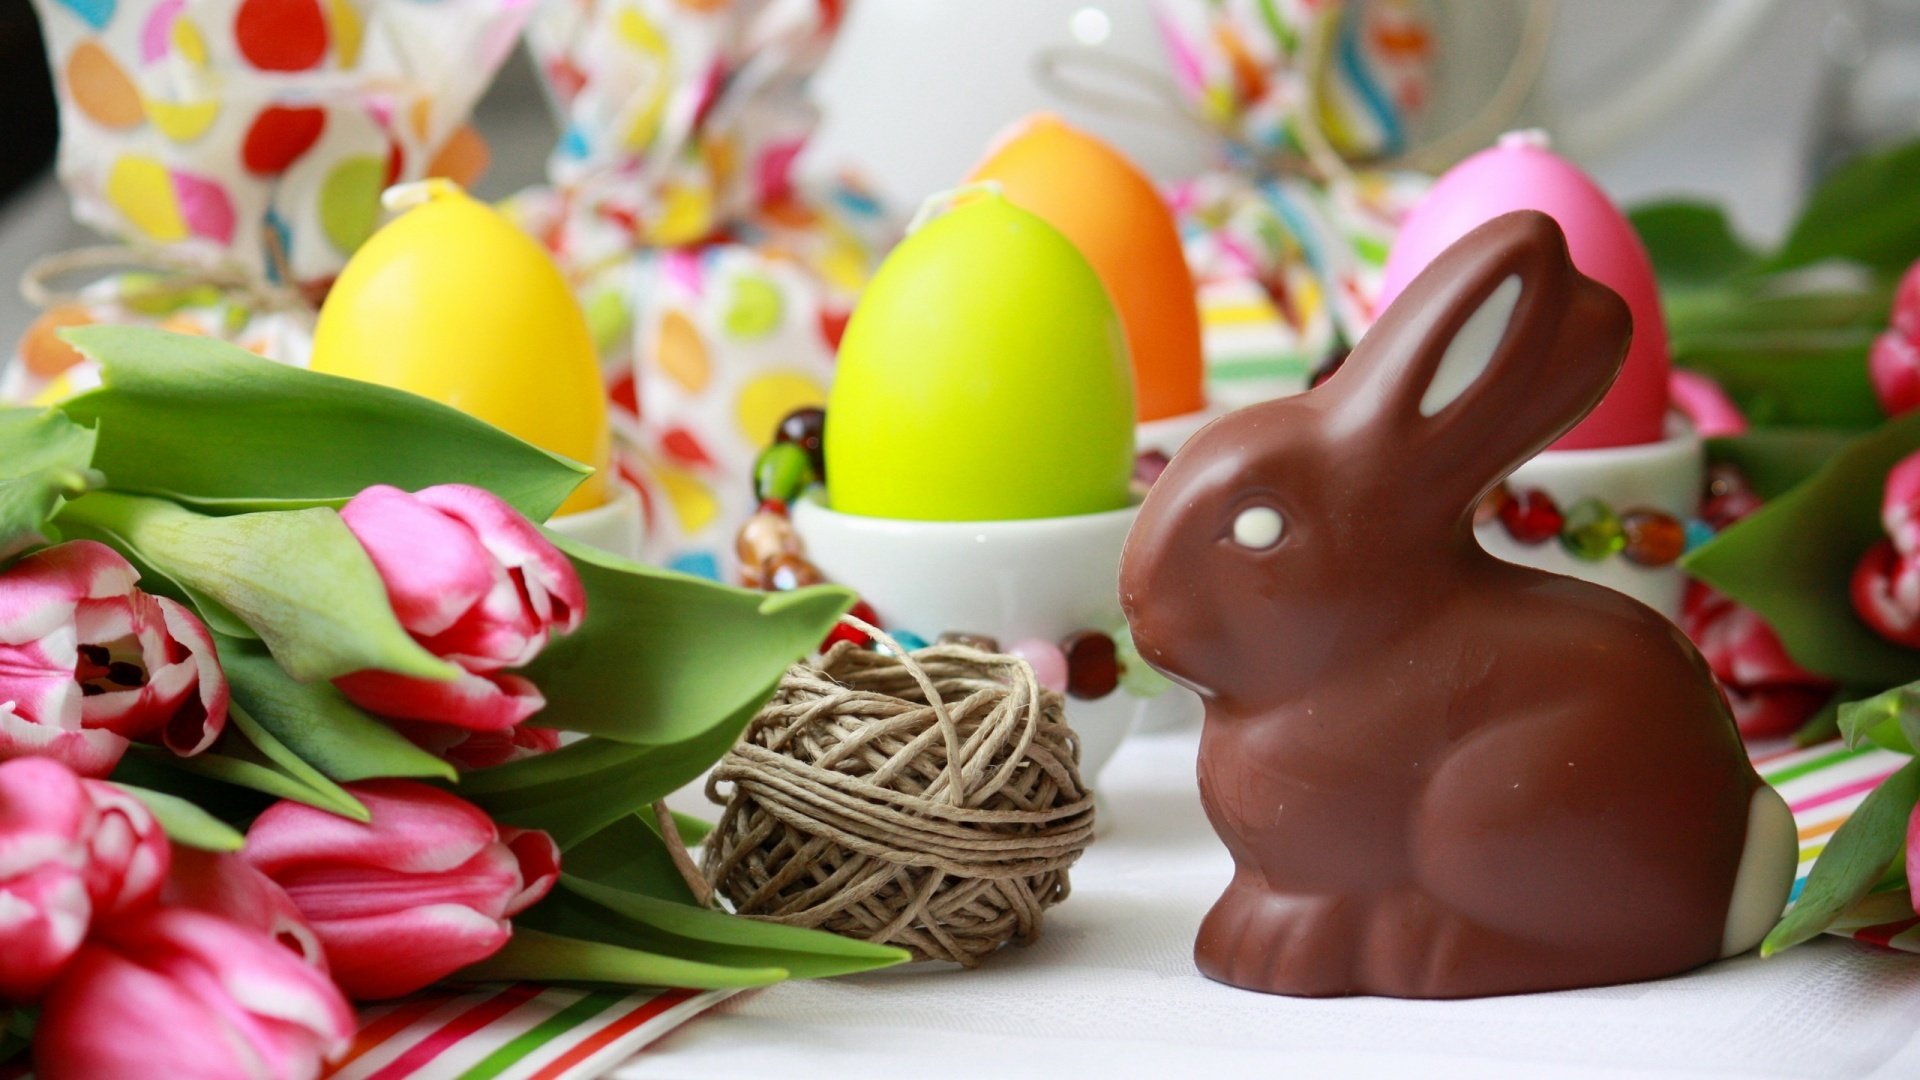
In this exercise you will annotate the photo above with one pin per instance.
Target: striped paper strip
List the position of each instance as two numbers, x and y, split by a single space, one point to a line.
1823 785
514 1032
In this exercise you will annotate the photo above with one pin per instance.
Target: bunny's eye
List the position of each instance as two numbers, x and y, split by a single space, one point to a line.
1258 528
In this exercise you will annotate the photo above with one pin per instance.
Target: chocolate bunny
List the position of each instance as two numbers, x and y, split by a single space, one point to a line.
1441 774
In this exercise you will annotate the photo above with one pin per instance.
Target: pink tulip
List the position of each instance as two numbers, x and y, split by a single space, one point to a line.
227 885
476 584
183 994
71 851
1886 582
1769 693
422 890
1893 363
88 662
469 749
1712 413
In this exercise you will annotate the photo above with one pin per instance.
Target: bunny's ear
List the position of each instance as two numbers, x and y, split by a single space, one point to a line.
1494 351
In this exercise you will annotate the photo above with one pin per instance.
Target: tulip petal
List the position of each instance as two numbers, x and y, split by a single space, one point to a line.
552 586
89 752
194 726
481 702
225 884
395 953
44 915
539 859
434 568
414 828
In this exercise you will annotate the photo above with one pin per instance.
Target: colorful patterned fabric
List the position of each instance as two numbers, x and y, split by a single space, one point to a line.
1823 785
1243 64
718 289
263 131
1288 268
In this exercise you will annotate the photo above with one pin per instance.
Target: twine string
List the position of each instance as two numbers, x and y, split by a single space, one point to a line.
930 800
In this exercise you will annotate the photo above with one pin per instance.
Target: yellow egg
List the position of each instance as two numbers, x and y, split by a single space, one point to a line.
451 301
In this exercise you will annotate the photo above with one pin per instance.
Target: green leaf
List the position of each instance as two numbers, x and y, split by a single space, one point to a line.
581 789
186 823
1783 383
1822 726
1690 242
715 937
1775 311
318 723
247 755
1864 212
1792 560
44 460
533 956
693 831
298 578
1861 850
662 656
1774 460
202 421
1890 719
630 855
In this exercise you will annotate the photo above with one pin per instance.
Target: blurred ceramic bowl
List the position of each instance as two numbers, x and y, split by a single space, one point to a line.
1041 578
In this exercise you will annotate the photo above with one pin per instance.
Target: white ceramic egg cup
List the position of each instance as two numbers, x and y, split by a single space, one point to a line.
1170 433
1665 476
1040 578
616 526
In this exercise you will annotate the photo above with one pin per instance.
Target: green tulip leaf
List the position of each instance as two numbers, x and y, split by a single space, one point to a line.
1772 312
45 459
1775 460
662 656
1858 856
1690 242
1792 560
693 831
630 855
534 956
298 578
247 755
1890 720
638 921
1784 383
318 723
578 790
186 823
1863 213
208 423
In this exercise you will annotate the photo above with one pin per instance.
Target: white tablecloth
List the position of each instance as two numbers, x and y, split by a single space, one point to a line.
1110 991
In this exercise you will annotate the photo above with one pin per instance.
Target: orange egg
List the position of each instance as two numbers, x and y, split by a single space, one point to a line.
1112 213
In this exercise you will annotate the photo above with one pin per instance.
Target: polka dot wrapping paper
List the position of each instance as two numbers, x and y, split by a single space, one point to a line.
261 132
717 286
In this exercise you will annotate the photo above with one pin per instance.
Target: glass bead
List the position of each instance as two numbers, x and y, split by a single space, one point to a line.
1653 538
1724 479
764 538
909 640
782 471
1147 468
789 572
971 641
807 429
845 632
1093 664
1698 532
1490 505
1049 664
1591 531
1530 516
1136 677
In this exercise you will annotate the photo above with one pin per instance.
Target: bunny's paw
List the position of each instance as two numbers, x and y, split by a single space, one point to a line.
1280 944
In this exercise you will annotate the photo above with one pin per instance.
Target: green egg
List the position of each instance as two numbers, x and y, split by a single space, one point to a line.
983 377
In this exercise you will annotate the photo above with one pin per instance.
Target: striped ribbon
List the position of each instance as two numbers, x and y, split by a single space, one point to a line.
1822 785
514 1032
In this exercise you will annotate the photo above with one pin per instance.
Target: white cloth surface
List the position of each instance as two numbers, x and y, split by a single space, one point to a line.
1110 991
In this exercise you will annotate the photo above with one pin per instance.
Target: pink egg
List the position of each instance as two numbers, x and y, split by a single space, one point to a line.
1521 174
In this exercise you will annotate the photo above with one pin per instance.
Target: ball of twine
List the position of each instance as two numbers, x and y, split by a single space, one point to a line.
930 801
